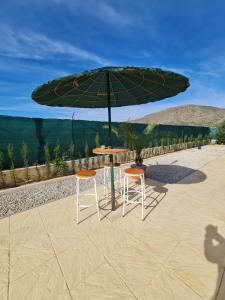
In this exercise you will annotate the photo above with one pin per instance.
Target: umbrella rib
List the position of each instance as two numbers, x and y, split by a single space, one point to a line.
45 93
113 92
162 85
125 88
73 88
149 80
79 97
148 92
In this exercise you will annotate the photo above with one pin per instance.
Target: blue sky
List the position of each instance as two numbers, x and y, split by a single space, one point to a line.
45 39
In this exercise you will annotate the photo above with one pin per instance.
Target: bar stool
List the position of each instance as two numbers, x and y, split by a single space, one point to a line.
86 175
106 178
135 174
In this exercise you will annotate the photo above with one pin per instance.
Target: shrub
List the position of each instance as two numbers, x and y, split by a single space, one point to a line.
97 140
24 155
220 133
71 153
97 144
2 159
47 160
11 157
59 160
86 152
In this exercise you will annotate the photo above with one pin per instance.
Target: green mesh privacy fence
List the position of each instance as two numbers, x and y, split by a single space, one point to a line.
38 132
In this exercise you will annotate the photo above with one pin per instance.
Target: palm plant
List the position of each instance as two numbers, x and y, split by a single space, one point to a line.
137 142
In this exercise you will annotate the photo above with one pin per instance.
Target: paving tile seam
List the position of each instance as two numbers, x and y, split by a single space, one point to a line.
180 279
142 241
30 271
108 261
9 258
55 255
211 161
122 279
147 284
87 276
120 275
63 251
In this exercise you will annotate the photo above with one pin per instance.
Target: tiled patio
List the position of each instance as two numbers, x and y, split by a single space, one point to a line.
169 255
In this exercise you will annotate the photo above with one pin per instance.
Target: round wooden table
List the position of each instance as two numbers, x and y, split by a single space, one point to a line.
110 152
106 151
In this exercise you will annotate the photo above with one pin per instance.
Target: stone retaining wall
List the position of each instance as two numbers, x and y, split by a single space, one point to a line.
38 173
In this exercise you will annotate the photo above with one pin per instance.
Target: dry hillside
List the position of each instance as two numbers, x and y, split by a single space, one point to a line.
186 115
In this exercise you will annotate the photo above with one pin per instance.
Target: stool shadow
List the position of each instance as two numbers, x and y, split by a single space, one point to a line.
154 195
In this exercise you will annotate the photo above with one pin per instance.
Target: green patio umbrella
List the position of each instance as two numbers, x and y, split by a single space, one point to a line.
111 87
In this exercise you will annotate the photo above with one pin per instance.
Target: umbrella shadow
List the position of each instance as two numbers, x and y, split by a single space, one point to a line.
214 248
174 174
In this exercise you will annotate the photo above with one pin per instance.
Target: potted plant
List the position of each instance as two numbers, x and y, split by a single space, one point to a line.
137 142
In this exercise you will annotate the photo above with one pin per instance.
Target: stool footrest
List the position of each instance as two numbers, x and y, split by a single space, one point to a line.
83 206
134 202
133 191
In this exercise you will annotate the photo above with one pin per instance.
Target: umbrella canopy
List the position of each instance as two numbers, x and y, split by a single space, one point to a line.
125 86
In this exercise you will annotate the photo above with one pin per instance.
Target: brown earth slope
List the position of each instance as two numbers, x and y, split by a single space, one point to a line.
186 115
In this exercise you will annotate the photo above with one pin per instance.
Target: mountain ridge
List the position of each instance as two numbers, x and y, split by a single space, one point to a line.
191 114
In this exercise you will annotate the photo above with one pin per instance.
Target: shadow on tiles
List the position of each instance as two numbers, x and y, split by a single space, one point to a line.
214 247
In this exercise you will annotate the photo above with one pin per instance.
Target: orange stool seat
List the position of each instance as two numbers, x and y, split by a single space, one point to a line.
85 174
134 171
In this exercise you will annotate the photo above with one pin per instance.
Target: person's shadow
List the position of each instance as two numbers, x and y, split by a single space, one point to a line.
214 247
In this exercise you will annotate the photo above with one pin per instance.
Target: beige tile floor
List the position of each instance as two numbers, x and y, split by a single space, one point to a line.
177 252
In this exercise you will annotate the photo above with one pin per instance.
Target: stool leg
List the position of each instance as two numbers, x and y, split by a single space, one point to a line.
124 194
142 198
104 181
96 198
144 187
127 183
77 199
120 184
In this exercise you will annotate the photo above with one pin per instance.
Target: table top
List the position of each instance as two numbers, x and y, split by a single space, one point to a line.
106 151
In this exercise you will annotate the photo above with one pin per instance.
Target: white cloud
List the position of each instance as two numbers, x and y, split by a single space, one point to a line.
107 13
103 10
38 46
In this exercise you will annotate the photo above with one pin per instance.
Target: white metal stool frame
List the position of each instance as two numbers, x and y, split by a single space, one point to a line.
106 177
126 192
78 205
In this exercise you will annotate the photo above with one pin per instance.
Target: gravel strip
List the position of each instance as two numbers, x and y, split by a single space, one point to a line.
169 168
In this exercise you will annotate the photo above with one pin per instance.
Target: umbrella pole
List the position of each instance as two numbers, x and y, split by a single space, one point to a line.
110 145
